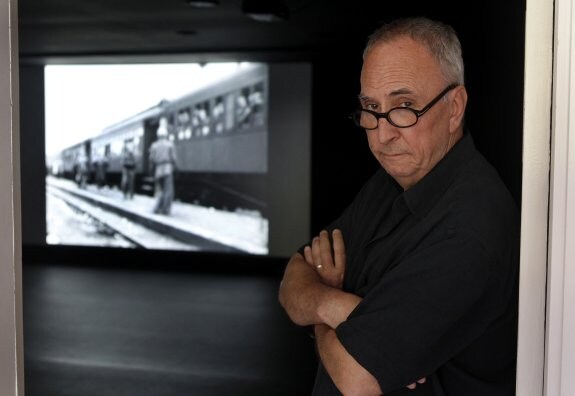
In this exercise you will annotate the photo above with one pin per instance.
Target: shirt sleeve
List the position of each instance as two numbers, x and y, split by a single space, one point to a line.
422 312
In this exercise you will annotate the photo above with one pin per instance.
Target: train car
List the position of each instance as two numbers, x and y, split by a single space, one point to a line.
220 135
73 162
135 133
67 163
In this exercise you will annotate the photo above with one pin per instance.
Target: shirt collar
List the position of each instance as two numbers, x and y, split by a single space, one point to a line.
424 194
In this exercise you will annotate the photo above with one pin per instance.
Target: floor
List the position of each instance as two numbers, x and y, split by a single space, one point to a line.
107 331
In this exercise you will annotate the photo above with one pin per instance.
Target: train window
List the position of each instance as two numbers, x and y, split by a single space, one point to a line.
201 119
116 148
243 108
128 144
229 114
196 116
206 127
218 115
250 105
183 125
256 100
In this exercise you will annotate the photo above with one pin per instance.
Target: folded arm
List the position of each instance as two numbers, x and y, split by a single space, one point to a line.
308 300
346 373
311 294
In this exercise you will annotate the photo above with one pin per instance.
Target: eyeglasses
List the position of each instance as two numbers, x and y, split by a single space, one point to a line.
400 117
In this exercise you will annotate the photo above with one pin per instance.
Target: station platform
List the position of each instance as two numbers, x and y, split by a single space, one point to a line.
188 227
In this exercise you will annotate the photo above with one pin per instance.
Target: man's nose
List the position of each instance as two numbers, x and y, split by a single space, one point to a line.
385 131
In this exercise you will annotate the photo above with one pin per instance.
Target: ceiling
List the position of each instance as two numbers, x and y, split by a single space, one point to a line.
49 29
59 28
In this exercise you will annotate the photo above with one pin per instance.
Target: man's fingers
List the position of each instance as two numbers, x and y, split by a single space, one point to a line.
315 251
338 249
414 385
325 249
307 255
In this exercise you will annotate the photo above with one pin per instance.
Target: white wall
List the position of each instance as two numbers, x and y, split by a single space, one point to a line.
11 356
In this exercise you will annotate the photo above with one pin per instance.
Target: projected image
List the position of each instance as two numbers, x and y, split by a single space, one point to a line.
158 156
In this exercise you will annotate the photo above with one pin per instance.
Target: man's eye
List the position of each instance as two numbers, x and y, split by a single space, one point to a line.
371 106
406 104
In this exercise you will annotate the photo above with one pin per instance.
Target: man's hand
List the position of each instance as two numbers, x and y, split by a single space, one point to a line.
311 289
329 263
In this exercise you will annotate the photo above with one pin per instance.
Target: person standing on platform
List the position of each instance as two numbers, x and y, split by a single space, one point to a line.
128 171
82 171
101 169
164 160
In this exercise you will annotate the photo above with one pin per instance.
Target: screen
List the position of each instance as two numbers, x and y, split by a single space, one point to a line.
178 156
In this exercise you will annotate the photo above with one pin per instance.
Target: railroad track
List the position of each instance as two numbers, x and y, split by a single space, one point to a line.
138 234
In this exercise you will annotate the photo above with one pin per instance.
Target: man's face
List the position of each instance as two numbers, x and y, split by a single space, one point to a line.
403 73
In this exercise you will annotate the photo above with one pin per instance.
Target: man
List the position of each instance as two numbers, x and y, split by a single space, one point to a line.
413 288
163 157
128 170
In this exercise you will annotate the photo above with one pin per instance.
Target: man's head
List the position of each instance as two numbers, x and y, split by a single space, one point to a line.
163 128
410 63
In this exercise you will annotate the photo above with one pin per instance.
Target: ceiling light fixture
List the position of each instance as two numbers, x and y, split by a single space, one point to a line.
203 3
266 10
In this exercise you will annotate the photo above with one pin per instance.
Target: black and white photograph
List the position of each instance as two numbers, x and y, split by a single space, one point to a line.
161 156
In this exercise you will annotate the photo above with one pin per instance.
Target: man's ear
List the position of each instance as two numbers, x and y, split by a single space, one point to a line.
458 104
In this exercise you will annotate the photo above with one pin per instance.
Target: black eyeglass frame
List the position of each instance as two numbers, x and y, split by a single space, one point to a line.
418 113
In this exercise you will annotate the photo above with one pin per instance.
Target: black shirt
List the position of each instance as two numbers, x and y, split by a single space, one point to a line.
437 268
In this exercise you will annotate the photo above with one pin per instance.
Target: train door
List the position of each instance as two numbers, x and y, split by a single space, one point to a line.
150 136
88 151
86 171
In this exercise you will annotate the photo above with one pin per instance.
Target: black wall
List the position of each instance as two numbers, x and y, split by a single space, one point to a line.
492 38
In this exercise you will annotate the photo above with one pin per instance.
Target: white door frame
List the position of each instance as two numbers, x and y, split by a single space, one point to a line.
534 201
559 375
546 345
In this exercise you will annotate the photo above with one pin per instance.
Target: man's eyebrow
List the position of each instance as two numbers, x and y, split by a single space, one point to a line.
397 92
400 91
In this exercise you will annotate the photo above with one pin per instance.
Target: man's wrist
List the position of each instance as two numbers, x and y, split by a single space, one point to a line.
320 329
335 306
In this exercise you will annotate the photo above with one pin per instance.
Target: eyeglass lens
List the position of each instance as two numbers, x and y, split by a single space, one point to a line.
397 117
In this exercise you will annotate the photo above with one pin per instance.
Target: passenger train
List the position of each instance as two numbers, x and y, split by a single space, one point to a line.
220 134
